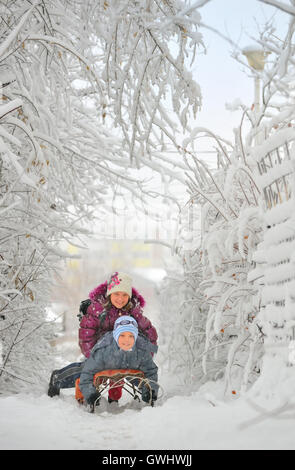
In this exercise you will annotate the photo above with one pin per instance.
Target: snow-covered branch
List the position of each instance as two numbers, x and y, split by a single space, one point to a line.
145 68
281 6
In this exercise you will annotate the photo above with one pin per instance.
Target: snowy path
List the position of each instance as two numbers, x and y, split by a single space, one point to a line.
191 422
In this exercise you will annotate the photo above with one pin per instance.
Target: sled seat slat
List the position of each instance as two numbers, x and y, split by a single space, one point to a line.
117 374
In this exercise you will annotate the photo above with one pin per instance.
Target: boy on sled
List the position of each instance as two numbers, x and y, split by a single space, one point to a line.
120 349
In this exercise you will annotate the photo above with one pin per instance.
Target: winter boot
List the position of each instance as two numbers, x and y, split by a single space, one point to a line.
53 388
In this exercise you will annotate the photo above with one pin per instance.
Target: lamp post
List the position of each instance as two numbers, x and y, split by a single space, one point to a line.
256 59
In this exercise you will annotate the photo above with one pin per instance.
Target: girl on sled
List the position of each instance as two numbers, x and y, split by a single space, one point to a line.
108 302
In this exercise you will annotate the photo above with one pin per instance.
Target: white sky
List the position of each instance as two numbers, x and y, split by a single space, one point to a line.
221 78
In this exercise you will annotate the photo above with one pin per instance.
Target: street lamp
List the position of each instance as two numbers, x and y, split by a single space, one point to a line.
256 59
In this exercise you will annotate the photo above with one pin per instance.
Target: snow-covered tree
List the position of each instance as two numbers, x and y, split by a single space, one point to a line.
182 305
49 172
141 50
218 305
38 183
275 255
248 232
70 73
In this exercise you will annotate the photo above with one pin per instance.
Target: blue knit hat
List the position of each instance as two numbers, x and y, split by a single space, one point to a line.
125 323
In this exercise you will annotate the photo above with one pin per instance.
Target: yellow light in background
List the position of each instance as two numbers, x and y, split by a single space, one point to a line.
117 264
141 247
142 263
116 247
140 255
73 263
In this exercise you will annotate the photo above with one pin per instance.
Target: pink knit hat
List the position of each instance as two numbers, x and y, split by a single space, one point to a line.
120 282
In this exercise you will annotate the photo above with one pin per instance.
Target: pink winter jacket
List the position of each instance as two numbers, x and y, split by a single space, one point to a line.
94 325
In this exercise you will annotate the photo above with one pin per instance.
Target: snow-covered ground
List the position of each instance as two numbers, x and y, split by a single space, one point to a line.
198 421
202 419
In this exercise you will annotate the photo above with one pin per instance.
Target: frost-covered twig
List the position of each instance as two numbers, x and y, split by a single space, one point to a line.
267 414
281 6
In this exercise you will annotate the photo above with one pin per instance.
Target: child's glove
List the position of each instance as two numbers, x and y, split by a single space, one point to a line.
146 395
92 401
83 308
154 396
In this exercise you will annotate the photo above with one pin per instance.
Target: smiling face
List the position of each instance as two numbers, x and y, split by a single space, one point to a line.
119 299
126 341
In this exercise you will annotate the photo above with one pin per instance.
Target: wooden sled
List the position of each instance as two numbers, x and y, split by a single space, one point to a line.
132 380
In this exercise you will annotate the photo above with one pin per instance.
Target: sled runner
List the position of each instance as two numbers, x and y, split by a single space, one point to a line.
130 380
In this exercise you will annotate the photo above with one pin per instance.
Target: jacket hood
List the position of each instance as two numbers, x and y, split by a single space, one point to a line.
101 290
